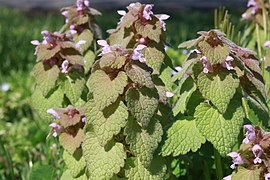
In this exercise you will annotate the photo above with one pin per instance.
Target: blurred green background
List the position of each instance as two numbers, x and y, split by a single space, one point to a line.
23 143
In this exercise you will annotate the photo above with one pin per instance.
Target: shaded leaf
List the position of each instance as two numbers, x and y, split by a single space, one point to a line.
154 58
102 162
75 163
142 104
46 77
108 122
143 142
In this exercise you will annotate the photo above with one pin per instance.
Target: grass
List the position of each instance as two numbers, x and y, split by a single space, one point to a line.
22 133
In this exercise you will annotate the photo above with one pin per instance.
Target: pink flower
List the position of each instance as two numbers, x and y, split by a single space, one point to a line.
161 18
106 47
47 38
73 29
237 159
86 3
251 3
206 64
147 12
227 177
257 151
169 94
57 129
64 66
196 51
227 63
84 119
79 43
250 134
137 53
267 44
53 113
267 176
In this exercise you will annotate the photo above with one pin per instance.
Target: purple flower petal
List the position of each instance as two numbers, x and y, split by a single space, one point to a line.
267 44
147 12
53 113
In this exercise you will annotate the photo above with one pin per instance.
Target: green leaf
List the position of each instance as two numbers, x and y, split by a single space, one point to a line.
166 77
122 37
218 88
246 174
89 57
102 162
41 172
136 170
217 54
73 87
186 91
108 122
71 142
42 104
152 29
75 163
67 176
142 104
106 90
182 137
192 59
139 75
154 58
46 77
112 60
143 142
87 36
221 130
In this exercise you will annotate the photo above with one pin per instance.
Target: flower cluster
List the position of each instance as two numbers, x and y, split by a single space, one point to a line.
53 50
65 119
255 10
253 152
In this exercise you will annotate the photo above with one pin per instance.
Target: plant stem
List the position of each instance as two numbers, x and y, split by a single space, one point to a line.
9 160
206 171
218 164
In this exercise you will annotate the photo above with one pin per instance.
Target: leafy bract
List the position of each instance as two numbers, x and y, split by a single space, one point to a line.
182 137
142 104
42 104
139 75
217 54
108 122
121 36
136 170
44 51
219 88
71 142
246 174
86 36
143 142
152 30
112 60
46 77
67 176
102 162
221 130
154 58
75 163
106 90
